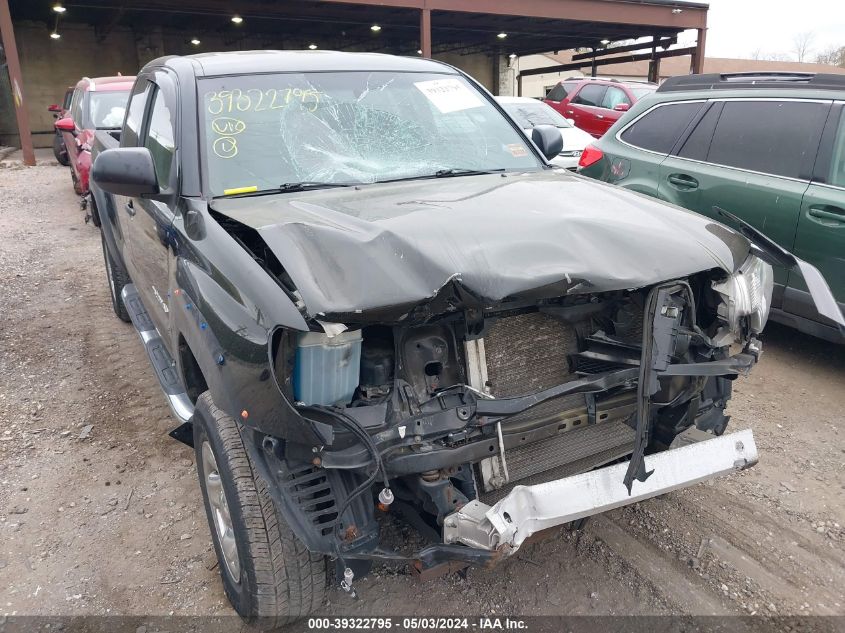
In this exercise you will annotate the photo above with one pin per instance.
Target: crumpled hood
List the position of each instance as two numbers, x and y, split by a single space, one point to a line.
541 234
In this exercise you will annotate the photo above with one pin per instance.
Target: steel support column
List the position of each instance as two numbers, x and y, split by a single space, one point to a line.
425 33
697 62
654 64
14 66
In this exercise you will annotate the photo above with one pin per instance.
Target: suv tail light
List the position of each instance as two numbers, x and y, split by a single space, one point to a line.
590 156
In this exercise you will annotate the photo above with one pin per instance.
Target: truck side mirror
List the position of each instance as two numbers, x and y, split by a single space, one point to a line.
126 171
65 125
548 140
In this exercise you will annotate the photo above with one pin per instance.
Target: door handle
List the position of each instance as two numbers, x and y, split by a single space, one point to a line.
682 181
130 208
827 212
570 112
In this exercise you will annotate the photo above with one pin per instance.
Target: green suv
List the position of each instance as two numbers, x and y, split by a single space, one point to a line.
769 148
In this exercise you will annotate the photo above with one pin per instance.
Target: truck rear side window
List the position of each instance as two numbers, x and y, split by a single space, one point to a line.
658 130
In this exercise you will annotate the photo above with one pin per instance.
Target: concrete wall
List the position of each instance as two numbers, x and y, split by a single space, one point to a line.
477 65
49 66
539 85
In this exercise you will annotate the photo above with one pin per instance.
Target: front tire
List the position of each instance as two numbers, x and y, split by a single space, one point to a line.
117 278
267 571
60 151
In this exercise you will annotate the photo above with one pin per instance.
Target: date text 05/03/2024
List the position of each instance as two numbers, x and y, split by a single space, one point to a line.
482 623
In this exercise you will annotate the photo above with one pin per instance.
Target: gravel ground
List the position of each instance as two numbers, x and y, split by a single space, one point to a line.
100 511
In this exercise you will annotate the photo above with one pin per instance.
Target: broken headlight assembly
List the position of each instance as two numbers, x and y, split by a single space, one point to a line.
746 294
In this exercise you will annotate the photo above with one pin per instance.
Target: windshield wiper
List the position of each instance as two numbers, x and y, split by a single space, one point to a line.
312 184
452 171
292 187
447 173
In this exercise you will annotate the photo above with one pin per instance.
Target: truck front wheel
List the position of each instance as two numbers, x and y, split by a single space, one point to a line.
267 572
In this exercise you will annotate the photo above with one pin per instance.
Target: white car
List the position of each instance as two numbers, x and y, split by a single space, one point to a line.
529 112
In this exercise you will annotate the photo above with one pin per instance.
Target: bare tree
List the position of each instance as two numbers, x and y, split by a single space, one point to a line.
832 56
759 54
803 45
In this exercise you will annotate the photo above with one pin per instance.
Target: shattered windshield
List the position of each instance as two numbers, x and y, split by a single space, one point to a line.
262 132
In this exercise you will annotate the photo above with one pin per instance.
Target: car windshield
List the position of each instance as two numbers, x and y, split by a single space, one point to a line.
641 91
261 132
530 115
106 109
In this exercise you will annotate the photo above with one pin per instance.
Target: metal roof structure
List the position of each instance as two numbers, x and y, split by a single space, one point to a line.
405 27
531 26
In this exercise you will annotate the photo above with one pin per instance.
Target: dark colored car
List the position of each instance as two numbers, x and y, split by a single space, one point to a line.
768 148
364 289
97 104
596 104
60 111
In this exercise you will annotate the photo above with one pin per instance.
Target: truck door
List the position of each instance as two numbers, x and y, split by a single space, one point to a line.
122 213
820 237
152 216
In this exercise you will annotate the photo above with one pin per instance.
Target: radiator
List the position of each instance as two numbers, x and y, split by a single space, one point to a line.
529 353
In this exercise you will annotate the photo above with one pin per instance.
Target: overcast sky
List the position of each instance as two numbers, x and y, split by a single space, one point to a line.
737 28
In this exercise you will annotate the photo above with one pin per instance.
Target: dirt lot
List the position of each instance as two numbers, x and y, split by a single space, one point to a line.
100 510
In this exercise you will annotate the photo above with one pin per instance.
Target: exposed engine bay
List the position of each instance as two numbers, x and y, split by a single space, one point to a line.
481 410
462 408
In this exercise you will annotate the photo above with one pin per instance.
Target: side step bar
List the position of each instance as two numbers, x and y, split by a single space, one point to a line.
530 509
162 362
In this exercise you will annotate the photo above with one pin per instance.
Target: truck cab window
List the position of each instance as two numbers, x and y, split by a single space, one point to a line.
159 139
135 115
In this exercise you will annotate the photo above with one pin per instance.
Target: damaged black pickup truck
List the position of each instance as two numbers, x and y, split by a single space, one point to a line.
364 291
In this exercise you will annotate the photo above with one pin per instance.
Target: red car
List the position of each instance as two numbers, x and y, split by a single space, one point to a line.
596 104
60 111
97 104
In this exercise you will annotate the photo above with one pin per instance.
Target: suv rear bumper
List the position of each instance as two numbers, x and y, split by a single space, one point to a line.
529 509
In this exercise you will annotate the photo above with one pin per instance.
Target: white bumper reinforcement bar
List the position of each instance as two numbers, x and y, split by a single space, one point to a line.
529 509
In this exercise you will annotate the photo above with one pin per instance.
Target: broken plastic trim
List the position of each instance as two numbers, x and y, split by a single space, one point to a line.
774 254
662 319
